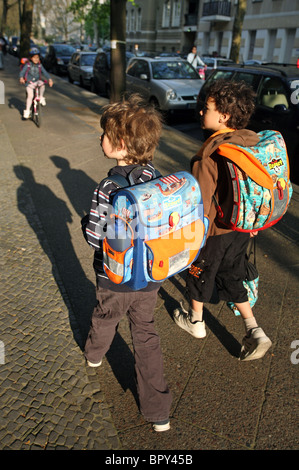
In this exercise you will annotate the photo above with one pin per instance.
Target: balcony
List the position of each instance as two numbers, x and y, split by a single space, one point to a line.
216 11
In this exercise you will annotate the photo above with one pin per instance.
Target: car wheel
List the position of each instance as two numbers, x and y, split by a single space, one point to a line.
70 79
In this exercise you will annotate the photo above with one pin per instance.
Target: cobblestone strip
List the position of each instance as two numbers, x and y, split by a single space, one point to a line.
48 399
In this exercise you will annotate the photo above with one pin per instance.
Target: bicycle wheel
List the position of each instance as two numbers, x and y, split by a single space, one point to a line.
37 114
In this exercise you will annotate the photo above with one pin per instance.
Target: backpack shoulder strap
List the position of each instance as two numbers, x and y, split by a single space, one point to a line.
245 159
122 182
27 70
155 173
119 180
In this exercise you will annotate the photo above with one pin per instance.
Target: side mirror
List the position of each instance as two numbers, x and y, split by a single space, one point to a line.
143 76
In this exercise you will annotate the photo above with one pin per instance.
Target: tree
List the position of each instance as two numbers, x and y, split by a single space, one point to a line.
118 49
5 7
237 30
94 14
26 12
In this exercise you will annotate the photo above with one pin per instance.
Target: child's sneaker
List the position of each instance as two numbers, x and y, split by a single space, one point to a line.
162 426
26 114
254 345
182 319
43 101
92 364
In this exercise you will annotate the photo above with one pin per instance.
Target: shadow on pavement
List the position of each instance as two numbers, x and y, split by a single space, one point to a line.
48 216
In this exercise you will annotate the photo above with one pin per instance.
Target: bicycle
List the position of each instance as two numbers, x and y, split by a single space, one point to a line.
36 106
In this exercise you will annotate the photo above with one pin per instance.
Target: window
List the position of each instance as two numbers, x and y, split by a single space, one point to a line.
138 20
249 78
173 70
166 14
132 20
137 68
87 59
222 74
176 13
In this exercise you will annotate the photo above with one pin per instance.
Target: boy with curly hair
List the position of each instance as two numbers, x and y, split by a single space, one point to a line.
227 110
131 133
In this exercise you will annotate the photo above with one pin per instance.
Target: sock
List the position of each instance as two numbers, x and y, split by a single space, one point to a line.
195 316
250 323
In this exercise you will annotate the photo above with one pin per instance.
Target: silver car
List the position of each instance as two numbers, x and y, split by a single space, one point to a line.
80 67
171 84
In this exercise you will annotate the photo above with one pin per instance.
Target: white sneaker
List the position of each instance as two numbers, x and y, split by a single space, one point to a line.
254 345
26 114
182 318
162 426
92 364
43 101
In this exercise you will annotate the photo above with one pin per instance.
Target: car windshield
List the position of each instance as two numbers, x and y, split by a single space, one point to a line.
88 59
173 70
64 50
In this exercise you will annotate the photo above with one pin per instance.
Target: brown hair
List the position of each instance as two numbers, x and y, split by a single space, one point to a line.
137 123
234 98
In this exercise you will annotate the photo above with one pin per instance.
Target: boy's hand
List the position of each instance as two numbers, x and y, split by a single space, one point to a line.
50 82
254 234
22 80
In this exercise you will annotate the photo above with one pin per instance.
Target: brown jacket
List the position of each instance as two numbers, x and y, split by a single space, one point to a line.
207 167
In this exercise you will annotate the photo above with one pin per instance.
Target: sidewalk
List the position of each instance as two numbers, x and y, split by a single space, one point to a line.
49 399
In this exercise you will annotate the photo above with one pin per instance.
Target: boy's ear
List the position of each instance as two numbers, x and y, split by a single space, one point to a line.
122 145
224 118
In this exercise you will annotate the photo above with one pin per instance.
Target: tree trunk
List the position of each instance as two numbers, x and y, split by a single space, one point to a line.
26 25
118 49
237 30
4 16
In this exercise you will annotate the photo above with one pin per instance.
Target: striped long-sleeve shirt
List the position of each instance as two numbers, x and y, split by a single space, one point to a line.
94 225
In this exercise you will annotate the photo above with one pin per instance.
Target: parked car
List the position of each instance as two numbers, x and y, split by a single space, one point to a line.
80 67
277 102
57 58
170 83
215 62
100 81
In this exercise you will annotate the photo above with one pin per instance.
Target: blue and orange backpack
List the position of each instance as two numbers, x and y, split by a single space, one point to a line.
156 229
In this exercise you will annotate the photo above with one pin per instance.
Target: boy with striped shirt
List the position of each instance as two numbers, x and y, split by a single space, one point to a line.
131 134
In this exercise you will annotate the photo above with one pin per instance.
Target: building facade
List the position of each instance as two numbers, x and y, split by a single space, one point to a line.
270 29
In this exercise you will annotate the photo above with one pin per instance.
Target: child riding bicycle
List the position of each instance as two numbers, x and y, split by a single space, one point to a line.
31 76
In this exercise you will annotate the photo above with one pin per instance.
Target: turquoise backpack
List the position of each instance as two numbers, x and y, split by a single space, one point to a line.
259 187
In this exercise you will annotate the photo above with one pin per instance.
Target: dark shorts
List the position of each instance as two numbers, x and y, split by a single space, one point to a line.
221 262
